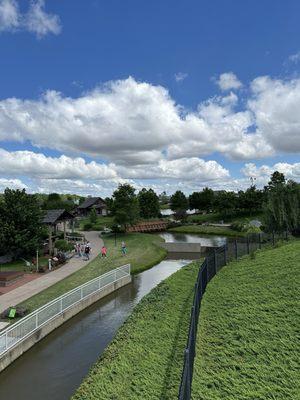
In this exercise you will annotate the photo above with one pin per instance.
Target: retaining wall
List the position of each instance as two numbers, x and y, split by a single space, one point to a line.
16 351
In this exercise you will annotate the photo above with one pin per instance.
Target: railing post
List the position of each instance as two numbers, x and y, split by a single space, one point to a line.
61 307
36 320
259 240
236 249
248 245
225 255
215 261
81 293
188 383
5 340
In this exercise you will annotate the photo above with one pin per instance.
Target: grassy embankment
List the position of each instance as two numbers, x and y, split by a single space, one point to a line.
249 324
216 217
102 222
207 230
19 265
143 253
144 361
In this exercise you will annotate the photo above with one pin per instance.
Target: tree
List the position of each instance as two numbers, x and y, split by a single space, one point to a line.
282 208
277 178
179 204
148 203
20 219
250 201
125 205
202 200
54 202
93 216
225 203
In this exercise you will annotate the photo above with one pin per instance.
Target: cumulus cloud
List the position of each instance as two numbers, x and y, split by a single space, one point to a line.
180 76
35 20
263 173
9 15
228 81
12 184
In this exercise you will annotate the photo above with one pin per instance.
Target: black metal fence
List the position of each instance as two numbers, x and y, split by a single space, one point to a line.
213 262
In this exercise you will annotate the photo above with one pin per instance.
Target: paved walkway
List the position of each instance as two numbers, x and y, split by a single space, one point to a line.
23 293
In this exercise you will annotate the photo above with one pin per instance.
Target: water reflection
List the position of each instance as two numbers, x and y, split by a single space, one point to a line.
54 367
209 240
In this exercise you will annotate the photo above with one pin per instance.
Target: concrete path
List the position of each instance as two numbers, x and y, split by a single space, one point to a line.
23 293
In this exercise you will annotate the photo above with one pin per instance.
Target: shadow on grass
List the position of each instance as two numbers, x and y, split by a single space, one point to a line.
177 351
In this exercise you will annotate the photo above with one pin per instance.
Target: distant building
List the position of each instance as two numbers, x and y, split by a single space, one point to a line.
97 202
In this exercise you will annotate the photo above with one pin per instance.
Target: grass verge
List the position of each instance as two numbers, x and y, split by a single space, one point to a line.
144 361
249 323
207 230
143 253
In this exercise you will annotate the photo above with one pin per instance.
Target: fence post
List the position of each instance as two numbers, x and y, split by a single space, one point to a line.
225 255
273 238
36 320
81 293
61 307
215 261
6 341
188 389
236 248
259 241
248 245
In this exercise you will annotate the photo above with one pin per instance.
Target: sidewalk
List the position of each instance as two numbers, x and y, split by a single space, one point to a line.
23 293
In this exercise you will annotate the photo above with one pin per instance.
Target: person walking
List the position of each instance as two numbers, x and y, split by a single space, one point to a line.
123 248
103 251
87 252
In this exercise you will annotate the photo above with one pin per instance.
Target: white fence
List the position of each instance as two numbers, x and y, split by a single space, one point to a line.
29 324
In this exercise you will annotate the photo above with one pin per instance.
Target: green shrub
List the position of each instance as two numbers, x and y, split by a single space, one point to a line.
88 226
63 245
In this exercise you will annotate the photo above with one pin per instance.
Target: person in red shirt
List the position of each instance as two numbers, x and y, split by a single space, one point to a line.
103 251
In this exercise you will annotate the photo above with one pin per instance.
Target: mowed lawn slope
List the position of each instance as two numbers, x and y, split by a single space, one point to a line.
249 327
145 359
143 253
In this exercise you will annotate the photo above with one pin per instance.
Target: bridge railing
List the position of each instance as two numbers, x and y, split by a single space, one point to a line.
32 322
214 261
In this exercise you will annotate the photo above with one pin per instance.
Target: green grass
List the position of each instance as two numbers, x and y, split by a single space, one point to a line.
216 217
102 221
19 265
144 361
248 337
207 230
143 253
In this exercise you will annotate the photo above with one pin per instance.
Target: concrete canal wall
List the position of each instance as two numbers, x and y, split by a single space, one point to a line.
16 351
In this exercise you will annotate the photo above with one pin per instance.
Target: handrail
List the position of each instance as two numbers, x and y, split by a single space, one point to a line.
19 331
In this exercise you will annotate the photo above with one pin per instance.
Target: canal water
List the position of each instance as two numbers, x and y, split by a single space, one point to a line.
54 367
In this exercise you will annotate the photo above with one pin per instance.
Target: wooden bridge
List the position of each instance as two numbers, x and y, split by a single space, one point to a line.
149 226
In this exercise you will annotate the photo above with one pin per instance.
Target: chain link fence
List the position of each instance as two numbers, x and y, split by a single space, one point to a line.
214 261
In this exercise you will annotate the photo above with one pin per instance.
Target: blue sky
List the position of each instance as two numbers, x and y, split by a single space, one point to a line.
214 89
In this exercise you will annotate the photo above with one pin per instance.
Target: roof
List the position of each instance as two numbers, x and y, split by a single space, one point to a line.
90 201
54 216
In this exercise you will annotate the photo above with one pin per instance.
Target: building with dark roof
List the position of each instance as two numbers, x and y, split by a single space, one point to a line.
92 202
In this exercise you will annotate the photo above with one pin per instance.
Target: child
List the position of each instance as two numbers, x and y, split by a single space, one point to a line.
124 250
103 251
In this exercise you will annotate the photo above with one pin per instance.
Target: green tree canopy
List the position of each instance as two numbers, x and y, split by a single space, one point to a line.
125 205
149 204
20 219
179 204
225 203
202 200
93 216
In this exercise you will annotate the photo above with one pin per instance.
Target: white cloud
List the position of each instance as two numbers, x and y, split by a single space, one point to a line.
228 81
180 76
12 184
63 167
40 22
276 105
9 15
263 173
35 20
295 58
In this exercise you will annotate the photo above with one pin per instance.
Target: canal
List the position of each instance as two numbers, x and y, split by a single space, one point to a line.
54 367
